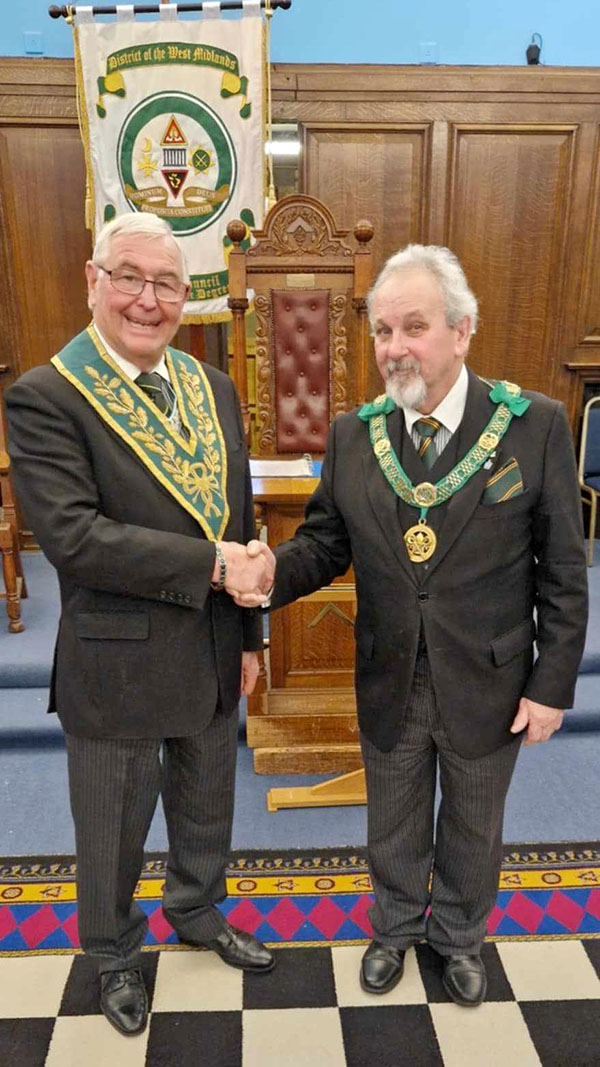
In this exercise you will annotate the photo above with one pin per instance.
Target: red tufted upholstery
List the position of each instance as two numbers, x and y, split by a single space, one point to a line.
301 359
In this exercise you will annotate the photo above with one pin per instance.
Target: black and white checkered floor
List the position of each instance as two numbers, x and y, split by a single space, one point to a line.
542 1007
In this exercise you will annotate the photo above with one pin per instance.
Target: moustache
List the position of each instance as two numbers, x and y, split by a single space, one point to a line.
402 367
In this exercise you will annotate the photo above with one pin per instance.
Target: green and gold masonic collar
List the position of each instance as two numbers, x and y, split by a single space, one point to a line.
507 397
193 469
420 539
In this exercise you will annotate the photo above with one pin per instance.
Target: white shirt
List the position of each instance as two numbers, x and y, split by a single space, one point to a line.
132 371
448 413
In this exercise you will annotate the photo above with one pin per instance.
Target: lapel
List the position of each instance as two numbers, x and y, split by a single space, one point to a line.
478 411
382 498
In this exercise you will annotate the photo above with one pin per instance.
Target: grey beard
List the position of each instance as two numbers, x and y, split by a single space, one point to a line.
409 393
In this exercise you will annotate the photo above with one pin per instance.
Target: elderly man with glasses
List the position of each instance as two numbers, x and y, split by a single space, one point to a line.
130 460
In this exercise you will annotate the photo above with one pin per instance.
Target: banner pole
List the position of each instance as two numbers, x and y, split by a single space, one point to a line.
271 196
65 11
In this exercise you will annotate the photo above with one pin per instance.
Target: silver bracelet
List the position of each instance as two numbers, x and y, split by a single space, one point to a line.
220 582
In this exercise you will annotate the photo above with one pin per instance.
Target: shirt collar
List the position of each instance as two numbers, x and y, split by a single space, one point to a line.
130 369
450 410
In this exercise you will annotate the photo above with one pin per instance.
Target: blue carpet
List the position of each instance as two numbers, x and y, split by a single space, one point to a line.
34 794
26 658
585 715
554 794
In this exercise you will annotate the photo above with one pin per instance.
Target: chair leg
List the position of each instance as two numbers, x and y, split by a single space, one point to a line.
11 584
592 533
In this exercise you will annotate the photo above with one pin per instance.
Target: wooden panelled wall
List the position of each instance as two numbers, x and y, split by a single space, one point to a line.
501 164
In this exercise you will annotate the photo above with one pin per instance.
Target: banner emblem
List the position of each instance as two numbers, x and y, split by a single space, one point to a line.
164 138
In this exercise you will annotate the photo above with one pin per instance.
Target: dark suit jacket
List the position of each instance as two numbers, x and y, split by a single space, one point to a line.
496 569
144 649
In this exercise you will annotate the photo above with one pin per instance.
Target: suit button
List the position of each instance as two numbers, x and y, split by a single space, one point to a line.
422 597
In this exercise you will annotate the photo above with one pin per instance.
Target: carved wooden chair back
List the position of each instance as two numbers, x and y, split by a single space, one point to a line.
312 335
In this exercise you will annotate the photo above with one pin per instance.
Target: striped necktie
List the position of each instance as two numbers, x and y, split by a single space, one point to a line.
427 429
159 390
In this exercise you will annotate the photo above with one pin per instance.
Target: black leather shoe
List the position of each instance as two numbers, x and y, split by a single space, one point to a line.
124 1001
239 949
382 968
464 980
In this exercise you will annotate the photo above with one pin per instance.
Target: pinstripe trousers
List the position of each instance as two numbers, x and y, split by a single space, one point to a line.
114 787
449 905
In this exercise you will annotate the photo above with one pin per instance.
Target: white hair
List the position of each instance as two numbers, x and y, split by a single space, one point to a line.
143 224
447 271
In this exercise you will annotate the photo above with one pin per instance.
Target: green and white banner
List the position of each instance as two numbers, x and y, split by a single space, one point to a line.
173 122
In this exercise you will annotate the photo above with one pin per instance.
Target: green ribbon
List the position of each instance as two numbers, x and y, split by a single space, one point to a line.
509 394
502 393
381 405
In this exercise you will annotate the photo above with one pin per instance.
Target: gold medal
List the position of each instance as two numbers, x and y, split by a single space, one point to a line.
425 494
382 446
489 441
420 541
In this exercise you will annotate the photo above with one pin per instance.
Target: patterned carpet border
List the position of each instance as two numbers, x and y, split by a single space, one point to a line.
549 891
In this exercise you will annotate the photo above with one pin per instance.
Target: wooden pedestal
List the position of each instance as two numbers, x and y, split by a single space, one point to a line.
304 722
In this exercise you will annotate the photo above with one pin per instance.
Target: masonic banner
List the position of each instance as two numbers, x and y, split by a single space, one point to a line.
172 119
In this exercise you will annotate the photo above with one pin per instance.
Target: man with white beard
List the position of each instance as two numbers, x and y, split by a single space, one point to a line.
455 498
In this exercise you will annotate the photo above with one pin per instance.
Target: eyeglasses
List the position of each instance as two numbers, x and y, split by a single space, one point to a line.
128 281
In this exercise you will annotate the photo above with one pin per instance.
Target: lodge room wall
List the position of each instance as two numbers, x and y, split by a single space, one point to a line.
502 164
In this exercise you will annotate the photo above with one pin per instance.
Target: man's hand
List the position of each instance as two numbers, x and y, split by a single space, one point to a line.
249 672
250 571
256 550
541 721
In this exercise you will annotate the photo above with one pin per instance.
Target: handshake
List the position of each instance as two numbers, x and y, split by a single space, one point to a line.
249 572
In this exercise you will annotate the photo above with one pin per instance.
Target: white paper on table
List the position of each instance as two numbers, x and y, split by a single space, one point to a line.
282 468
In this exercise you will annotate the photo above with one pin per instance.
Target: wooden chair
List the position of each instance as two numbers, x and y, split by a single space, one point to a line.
15 588
589 466
312 351
310 290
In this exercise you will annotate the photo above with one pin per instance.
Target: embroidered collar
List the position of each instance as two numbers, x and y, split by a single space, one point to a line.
194 470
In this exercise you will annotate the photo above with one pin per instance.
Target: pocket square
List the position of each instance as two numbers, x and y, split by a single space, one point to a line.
503 484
